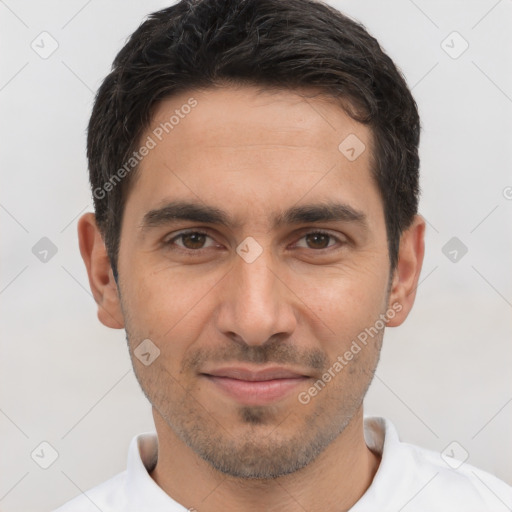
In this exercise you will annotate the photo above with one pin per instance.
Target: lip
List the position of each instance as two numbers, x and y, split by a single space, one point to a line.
255 387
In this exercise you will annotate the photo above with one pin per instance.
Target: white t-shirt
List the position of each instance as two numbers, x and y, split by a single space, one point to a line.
409 478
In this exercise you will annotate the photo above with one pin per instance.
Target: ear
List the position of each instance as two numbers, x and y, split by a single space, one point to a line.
101 279
407 271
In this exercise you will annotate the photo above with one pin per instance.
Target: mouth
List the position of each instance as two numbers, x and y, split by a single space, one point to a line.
255 387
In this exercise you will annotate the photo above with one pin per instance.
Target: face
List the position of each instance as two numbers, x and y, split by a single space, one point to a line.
253 253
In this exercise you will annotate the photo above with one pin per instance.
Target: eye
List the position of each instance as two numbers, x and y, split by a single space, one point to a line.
196 240
319 240
190 240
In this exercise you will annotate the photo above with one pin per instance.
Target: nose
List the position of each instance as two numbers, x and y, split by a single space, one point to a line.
255 302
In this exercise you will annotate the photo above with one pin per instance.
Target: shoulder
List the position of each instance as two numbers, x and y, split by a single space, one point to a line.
414 478
109 496
459 482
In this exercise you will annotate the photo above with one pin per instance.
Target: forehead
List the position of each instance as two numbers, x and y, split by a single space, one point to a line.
256 150
250 117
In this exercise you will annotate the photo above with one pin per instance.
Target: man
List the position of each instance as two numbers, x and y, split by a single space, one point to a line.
254 166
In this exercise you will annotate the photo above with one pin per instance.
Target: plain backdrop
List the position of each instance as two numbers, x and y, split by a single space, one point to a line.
444 375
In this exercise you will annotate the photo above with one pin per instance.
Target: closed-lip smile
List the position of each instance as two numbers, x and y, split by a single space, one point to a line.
253 386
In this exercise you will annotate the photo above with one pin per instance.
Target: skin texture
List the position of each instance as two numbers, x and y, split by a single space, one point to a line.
299 304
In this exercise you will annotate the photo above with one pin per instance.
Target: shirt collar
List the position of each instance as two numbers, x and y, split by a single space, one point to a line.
142 491
396 469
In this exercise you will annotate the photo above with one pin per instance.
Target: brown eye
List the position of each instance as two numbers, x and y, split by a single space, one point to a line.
190 240
318 240
193 240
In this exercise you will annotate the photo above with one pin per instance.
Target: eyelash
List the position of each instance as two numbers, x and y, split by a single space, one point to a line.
169 243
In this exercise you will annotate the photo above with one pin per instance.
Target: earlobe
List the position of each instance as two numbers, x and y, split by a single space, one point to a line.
101 280
407 271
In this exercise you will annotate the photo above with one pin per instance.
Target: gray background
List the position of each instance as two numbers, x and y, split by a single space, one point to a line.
65 379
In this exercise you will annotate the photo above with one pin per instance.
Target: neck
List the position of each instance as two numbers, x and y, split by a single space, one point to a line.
335 480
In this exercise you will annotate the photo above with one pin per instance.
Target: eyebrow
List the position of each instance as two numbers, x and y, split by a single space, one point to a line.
196 212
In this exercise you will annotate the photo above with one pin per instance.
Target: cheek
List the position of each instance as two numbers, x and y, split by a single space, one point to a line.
168 307
347 298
